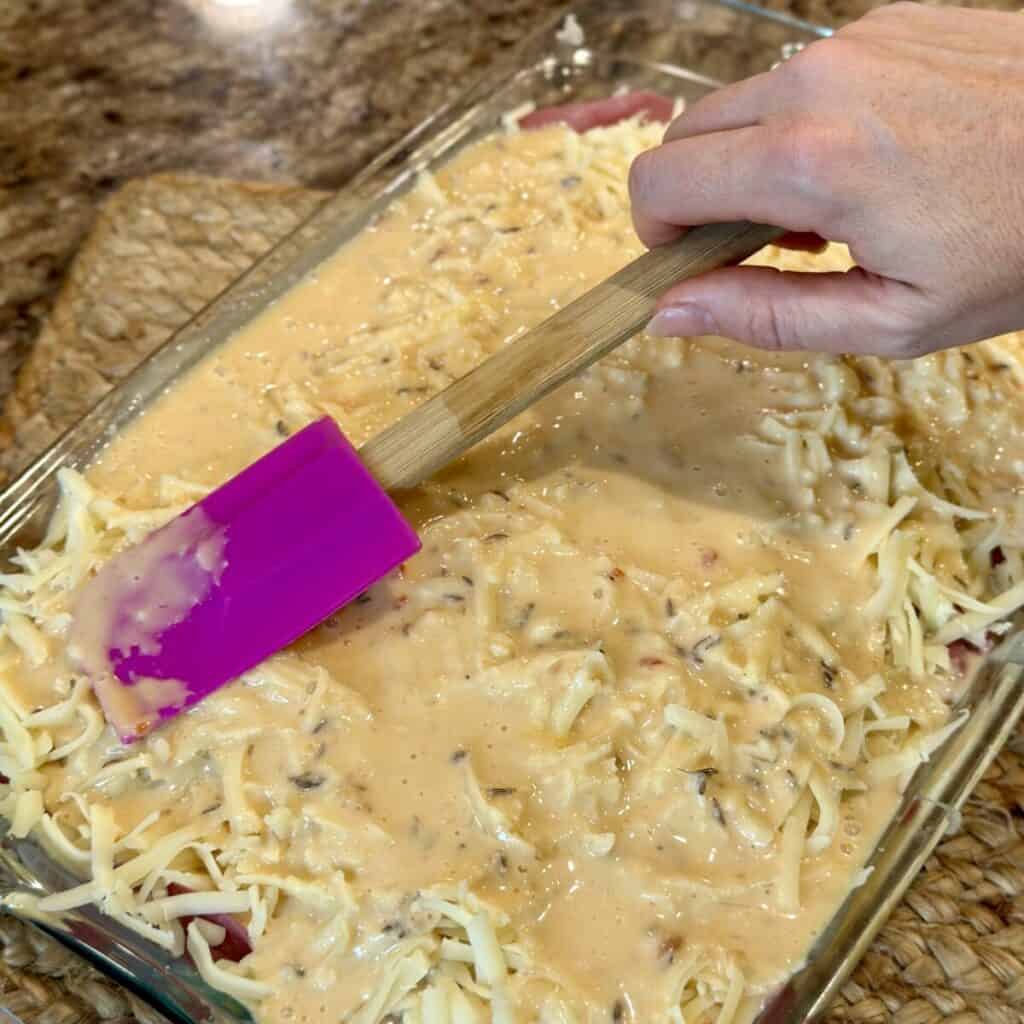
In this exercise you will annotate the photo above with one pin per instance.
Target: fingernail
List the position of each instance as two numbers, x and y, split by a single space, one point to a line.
684 320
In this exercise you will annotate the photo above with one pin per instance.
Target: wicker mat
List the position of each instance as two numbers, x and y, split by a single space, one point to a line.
164 246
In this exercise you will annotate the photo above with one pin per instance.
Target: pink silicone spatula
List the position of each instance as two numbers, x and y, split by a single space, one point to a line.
287 542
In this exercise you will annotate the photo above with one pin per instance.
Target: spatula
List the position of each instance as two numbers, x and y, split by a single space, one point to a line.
308 527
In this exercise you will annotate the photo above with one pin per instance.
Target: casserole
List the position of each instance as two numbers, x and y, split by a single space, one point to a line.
624 45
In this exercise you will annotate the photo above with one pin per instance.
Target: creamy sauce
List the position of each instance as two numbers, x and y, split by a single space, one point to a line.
578 700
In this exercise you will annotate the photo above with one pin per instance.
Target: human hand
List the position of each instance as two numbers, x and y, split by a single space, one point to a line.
902 136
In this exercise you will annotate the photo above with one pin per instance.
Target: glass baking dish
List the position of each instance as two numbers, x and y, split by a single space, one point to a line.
678 47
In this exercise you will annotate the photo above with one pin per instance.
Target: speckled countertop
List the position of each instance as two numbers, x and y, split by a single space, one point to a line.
94 92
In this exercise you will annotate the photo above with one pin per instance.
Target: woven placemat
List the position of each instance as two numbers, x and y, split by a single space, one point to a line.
166 245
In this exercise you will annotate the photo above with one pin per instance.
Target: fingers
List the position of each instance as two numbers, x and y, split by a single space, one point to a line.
836 312
733 106
759 174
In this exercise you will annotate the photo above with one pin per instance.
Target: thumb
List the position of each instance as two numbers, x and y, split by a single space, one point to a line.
851 311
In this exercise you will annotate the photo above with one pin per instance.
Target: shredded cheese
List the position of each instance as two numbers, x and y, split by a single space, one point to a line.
727 702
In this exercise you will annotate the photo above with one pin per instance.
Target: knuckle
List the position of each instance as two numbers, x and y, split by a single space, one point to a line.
767 330
813 67
804 155
816 159
801 70
769 326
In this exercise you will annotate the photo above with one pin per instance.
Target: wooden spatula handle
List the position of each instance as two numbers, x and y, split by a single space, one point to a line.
450 423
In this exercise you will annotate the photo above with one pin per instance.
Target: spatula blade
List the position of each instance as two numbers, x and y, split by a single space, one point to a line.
245 572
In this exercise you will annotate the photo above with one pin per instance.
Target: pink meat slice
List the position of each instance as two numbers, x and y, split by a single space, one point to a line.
961 652
581 117
236 943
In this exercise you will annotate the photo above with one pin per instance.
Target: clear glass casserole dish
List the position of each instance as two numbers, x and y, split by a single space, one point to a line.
678 47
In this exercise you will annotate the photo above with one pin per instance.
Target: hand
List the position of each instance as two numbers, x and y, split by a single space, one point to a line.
902 136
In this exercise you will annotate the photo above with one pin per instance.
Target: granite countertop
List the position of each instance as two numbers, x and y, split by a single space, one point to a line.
95 92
